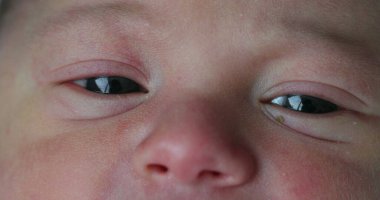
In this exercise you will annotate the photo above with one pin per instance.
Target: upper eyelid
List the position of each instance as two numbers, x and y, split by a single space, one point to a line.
94 68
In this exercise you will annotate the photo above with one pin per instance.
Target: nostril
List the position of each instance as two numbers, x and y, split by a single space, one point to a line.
157 168
209 174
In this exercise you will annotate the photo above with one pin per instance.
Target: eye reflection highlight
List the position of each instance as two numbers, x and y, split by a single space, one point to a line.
305 104
110 85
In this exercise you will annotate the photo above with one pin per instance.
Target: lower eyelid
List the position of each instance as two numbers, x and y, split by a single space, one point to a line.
71 102
335 126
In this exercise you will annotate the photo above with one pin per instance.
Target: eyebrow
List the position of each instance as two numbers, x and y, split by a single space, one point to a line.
326 33
357 46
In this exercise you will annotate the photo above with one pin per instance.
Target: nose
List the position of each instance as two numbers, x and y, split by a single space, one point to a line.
192 144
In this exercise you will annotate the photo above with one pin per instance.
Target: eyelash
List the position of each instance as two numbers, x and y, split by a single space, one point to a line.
110 85
113 85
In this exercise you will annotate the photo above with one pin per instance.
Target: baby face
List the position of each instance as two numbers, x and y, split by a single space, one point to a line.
197 99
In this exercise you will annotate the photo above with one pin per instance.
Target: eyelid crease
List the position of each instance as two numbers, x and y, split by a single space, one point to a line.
333 94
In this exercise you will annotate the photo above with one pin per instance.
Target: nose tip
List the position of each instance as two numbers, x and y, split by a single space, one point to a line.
196 166
193 149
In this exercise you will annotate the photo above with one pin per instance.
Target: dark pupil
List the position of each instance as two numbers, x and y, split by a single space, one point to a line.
112 85
309 104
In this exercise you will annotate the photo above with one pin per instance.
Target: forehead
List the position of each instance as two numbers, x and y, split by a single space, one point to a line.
345 16
337 10
302 8
345 20
348 21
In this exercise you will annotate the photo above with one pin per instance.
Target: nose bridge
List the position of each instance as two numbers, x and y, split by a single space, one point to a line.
195 116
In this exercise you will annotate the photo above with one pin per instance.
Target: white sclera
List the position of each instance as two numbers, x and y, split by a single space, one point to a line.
295 102
82 82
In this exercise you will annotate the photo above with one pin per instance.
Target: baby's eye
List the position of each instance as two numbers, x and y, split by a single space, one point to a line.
305 104
110 85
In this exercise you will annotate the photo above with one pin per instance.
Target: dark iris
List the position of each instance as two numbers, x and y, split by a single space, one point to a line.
305 104
112 85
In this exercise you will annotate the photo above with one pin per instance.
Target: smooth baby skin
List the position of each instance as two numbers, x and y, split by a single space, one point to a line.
204 126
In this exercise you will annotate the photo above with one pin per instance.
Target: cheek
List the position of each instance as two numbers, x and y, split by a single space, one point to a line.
302 173
70 166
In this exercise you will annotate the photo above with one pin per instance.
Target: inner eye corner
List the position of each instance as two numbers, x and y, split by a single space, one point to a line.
266 100
144 90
